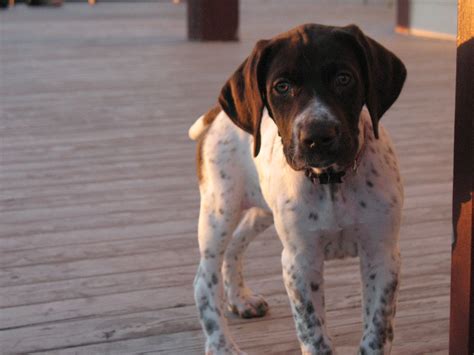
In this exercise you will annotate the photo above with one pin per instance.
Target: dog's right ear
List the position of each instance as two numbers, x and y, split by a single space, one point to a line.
243 96
384 72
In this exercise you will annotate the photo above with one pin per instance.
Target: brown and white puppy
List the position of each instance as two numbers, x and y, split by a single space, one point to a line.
292 144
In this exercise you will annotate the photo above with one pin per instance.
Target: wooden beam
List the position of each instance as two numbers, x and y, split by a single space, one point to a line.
462 268
213 20
403 14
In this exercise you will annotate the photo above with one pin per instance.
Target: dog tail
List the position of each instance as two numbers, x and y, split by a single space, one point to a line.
202 124
198 129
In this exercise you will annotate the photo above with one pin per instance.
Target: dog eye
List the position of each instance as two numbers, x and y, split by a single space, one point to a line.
343 79
282 87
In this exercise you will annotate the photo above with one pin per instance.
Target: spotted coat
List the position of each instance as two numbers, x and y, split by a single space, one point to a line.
241 196
305 103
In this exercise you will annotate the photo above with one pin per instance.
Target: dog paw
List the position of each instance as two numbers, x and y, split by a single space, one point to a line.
374 345
252 306
220 349
320 349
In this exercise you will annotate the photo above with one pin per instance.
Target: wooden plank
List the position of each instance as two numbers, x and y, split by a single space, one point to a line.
133 260
122 282
100 288
146 244
341 296
462 272
412 328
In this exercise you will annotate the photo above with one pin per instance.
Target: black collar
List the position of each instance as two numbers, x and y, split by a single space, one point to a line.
326 177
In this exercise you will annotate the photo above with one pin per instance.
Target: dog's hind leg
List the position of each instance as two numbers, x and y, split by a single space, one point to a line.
241 299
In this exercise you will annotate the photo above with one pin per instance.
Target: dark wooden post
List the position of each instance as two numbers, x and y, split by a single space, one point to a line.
213 20
461 337
403 15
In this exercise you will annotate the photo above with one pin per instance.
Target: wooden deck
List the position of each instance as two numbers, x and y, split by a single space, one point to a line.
99 200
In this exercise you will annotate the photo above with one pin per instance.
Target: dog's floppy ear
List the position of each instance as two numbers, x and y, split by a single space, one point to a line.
384 74
243 95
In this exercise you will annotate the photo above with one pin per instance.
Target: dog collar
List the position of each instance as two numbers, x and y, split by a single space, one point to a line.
326 177
330 176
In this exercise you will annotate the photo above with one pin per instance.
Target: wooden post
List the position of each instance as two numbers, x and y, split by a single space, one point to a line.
213 20
461 337
403 16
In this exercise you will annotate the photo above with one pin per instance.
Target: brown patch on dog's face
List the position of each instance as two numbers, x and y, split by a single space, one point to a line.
315 93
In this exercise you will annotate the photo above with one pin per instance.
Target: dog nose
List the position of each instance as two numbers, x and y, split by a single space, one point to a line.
319 136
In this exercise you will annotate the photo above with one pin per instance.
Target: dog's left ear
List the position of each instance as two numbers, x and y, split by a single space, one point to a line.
384 74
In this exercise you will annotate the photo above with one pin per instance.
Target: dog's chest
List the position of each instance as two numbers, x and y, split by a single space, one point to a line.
330 215
330 207
333 216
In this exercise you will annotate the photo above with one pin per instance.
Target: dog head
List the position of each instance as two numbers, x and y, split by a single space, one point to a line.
314 81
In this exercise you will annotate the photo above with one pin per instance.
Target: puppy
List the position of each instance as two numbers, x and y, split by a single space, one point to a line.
296 142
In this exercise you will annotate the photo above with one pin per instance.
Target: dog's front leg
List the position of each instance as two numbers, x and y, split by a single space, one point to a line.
303 277
380 267
302 264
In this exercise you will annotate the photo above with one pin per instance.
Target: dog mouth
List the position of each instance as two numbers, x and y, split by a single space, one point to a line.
322 165
336 161
299 163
